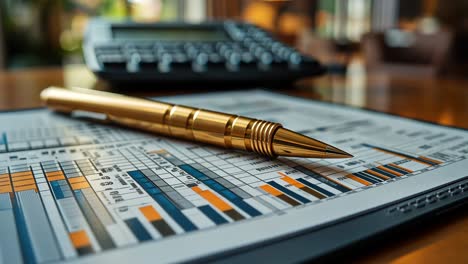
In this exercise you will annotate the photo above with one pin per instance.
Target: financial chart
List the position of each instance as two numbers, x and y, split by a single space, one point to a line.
73 190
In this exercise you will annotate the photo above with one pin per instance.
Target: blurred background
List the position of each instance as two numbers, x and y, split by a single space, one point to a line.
419 37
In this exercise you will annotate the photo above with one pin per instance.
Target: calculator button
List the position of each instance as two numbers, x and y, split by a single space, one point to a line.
259 51
192 52
295 58
247 42
233 61
247 57
200 62
266 60
164 62
284 52
275 47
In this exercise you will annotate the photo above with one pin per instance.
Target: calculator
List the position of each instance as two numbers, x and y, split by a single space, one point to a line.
221 52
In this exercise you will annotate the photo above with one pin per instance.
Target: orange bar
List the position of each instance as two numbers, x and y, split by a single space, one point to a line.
54 173
271 190
213 199
150 213
401 168
79 239
56 178
429 159
79 185
355 178
5 189
390 171
161 151
5 175
4 180
378 174
22 178
25 188
22 173
291 181
197 189
22 183
77 179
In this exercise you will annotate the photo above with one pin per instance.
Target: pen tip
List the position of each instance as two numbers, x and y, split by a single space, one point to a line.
336 153
289 143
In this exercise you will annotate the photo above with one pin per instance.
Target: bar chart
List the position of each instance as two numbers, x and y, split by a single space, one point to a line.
119 189
145 193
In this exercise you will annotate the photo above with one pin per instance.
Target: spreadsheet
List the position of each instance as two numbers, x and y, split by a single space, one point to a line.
75 190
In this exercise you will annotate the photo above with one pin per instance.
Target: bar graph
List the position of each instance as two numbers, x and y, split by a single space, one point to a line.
111 197
72 190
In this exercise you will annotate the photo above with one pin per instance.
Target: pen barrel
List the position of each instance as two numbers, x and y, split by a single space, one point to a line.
225 130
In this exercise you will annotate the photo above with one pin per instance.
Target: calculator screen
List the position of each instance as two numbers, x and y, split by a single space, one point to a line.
170 34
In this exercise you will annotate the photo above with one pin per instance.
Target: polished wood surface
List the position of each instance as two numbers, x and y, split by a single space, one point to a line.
441 100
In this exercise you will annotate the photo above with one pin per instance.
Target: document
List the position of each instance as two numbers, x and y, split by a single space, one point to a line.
78 191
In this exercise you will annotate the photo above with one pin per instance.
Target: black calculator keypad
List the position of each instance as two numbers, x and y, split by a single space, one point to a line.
251 52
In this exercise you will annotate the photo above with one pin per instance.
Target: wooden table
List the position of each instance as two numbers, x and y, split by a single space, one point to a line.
441 100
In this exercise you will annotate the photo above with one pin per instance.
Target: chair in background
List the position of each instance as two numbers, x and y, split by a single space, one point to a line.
403 53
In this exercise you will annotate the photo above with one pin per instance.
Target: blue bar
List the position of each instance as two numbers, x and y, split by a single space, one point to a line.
26 245
162 200
194 172
315 187
219 188
396 169
174 212
289 192
244 206
383 172
366 178
3 140
324 180
213 215
57 190
138 229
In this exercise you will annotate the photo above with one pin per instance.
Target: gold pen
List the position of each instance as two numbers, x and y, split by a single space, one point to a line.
220 129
